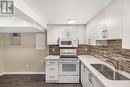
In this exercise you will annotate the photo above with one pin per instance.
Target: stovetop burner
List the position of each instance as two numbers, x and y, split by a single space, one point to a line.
68 56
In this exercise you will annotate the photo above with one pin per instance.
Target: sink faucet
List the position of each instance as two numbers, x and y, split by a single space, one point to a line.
115 65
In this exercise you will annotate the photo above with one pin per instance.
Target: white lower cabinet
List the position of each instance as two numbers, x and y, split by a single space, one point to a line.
83 75
96 82
88 79
51 71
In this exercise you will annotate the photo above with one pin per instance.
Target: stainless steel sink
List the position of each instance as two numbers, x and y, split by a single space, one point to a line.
109 73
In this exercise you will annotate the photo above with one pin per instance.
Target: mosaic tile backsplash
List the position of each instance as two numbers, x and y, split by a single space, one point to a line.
81 50
54 50
112 52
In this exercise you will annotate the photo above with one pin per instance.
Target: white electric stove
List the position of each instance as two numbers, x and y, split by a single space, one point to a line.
68 66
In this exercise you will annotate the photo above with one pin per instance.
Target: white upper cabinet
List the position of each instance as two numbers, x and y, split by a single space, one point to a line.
126 24
100 19
54 32
108 20
94 29
91 34
113 20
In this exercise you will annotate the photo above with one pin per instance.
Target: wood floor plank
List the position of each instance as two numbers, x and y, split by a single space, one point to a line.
34 80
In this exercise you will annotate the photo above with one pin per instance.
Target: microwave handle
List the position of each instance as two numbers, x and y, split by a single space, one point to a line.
78 41
58 40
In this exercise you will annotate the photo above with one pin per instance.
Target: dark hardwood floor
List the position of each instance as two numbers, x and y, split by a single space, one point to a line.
29 81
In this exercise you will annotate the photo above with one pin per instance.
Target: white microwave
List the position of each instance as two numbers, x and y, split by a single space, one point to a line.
68 42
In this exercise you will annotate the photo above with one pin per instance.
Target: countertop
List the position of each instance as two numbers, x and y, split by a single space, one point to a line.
54 57
88 59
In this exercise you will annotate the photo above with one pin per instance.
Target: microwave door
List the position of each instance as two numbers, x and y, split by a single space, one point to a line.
66 44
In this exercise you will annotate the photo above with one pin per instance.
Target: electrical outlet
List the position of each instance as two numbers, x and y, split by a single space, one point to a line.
53 49
86 49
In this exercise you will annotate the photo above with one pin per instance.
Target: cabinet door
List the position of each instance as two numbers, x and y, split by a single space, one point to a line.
51 70
109 19
54 32
51 77
89 79
77 32
93 29
82 74
100 19
91 34
52 67
113 19
126 24
96 82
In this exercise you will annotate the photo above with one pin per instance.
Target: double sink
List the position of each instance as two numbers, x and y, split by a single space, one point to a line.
109 73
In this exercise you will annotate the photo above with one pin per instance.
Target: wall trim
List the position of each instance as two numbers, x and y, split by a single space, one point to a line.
1 74
24 72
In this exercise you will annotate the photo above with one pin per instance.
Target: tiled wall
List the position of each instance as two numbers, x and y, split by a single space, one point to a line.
81 50
112 52
54 50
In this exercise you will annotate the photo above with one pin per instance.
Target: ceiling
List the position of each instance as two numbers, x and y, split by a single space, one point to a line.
59 11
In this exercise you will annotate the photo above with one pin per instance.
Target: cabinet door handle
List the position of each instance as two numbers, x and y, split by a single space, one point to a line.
52 76
58 40
90 77
51 62
84 68
78 41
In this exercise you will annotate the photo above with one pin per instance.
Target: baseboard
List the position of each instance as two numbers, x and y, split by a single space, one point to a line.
2 73
24 73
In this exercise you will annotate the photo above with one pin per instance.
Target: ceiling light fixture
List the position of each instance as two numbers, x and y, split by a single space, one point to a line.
71 21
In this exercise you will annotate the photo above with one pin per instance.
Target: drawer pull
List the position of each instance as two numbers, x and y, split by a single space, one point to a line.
51 62
51 68
52 76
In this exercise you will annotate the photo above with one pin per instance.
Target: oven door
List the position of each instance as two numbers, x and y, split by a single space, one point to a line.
68 68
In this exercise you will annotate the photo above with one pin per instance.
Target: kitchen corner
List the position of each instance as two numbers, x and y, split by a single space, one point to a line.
87 60
98 55
64 43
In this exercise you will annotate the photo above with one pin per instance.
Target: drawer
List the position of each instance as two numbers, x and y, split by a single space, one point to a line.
52 62
51 77
51 69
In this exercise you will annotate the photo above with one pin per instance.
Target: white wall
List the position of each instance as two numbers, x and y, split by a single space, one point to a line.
2 54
